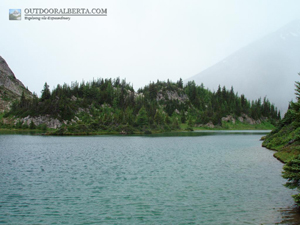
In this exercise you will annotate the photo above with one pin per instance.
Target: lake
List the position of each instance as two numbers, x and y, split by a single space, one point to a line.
207 178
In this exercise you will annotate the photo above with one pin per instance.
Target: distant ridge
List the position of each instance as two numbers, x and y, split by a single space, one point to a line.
267 67
10 87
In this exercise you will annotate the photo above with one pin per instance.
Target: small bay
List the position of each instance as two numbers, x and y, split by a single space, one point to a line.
208 178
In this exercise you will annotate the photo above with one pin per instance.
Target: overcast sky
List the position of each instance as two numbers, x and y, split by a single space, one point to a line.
141 41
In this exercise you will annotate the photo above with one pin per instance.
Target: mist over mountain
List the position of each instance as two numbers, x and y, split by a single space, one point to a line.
267 67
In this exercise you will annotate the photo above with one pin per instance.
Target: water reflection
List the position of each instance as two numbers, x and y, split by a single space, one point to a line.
25 132
209 132
290 215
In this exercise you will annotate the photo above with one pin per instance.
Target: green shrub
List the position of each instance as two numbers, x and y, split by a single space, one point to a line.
32 125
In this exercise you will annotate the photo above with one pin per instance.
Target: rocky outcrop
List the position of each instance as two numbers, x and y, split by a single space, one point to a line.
228 118
243 119
208 125
9 80
176 111
172 95
50 122
138 95
4 105
246 119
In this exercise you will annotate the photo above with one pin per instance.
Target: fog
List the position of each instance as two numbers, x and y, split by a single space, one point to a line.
140 41
267 67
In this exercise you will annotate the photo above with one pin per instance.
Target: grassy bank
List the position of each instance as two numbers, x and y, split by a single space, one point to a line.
245 126
285 141
233 126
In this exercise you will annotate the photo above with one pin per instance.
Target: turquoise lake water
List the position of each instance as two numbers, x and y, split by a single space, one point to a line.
209 178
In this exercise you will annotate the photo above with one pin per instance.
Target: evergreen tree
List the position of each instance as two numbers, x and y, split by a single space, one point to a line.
175 123
158 118
292 174
142 119
180 83
32 125
190 122
167 119
46 92
183 118
297 93
22 100
295 106
152 92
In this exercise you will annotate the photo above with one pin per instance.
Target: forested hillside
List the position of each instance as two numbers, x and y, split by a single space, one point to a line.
113 106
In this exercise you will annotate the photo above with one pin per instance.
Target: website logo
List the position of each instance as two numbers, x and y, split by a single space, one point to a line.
15 14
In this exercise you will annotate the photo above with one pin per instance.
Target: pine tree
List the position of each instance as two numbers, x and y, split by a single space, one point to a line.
152 91
297 84
167 119
32 125
190 122
295 106
23 100
183 118
292 174
45 92
158 118
175 123
180 83
142 119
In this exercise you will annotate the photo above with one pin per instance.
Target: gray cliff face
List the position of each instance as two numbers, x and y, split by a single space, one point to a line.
8 79
4 68
10 87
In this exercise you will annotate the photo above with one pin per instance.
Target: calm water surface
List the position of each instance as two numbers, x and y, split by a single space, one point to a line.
209 179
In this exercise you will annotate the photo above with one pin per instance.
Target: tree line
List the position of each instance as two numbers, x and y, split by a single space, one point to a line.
113 104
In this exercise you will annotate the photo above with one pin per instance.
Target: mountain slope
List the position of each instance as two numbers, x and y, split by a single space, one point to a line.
10 87
267 67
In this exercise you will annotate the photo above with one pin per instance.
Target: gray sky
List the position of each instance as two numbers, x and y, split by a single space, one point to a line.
141 41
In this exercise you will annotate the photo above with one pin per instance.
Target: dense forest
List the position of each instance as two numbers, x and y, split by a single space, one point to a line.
113 105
